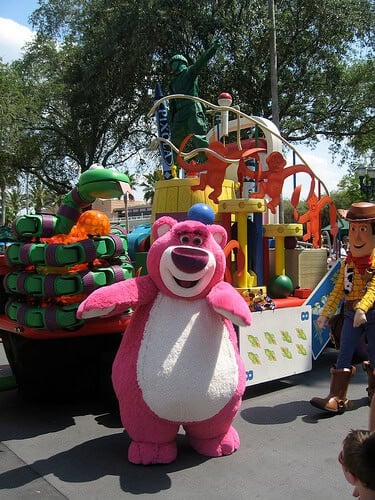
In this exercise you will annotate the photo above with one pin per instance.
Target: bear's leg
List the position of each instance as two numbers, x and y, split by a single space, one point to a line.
152 453
153 439
153 442
215 446
216 436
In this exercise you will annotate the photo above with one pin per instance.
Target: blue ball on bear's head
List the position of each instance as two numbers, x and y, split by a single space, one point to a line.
202 213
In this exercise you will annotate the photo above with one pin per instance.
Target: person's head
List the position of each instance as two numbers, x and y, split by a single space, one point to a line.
177 64
357 459
361 217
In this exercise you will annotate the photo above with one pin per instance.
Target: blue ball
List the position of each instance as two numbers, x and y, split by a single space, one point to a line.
202 213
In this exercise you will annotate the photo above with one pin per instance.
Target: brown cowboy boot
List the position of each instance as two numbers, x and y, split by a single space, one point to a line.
371 379
336 401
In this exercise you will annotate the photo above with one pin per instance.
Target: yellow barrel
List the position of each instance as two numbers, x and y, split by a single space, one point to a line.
175 197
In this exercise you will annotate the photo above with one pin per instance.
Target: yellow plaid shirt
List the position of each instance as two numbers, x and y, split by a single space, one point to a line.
363 293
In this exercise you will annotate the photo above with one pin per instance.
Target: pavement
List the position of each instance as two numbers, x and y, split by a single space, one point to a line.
78 450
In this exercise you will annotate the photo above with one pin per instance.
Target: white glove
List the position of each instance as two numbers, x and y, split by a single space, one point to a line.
359 318
322 321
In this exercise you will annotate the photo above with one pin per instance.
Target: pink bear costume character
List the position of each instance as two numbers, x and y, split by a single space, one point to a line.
178 362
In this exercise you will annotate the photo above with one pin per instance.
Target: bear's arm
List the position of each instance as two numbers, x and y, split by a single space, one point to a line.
225 300
117 298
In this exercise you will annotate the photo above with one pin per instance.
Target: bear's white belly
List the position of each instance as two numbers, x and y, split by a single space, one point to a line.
186 369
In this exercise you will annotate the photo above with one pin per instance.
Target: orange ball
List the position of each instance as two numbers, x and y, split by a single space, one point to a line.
93 222
75 234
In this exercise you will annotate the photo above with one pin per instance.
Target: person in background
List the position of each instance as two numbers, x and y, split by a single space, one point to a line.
357 459
355 285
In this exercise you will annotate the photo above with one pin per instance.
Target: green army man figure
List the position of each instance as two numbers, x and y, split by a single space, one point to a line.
187 116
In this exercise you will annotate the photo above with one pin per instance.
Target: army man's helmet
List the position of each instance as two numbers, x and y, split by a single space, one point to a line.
178 57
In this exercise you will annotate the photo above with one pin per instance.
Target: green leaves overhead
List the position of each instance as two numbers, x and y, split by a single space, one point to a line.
89 73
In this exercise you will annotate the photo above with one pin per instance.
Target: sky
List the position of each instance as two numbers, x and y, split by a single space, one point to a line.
15 31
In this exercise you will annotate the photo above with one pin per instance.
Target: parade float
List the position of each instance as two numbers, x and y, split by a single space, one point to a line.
281 270
54 262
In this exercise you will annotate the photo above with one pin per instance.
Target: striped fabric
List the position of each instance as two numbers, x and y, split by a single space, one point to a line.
361 291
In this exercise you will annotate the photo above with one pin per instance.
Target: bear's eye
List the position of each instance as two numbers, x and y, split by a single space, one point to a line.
184 238
197 240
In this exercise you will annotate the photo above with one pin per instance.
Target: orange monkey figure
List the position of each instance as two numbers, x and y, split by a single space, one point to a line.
312 217
271 181
213 170
242 170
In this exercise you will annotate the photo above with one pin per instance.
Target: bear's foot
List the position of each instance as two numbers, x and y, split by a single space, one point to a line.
152 453
218 446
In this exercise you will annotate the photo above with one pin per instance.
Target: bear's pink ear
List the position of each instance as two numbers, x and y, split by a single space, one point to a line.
162 226
219 234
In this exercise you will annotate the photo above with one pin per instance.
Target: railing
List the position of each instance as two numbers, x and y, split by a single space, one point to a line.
133 221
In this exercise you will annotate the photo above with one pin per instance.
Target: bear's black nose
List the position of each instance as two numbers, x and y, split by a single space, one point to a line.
189 260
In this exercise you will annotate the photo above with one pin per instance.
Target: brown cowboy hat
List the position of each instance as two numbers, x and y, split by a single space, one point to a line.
359 212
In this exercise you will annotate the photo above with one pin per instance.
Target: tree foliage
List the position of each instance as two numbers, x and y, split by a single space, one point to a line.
81 115
89 73
148 185
13 115
15 201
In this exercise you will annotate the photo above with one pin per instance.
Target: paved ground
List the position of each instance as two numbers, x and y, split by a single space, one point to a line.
78 451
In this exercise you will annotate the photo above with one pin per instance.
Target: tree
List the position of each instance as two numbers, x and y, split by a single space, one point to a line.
348 191
87 88
12 114
91 67
15 202
42 198
133 182
325 81
149 185
352 116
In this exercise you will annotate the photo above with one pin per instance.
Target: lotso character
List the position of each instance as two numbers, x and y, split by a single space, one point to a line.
178 363
355 285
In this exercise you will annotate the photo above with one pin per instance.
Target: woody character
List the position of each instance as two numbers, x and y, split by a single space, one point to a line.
355 285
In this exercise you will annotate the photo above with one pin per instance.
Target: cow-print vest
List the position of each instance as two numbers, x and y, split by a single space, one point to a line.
349 275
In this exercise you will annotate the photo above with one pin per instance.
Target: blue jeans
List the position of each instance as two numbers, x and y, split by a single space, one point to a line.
351 339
